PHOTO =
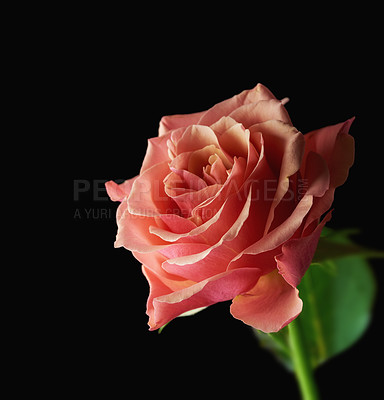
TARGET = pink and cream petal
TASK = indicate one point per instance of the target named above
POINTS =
(214, 261)
(216, 289)
(316, 175)
(173, 236)
(279, 235)
(234, 182)
(188, 200)
(336, 147)
(217, 255)
(160, 284)
(176, 224)
(196, 137)
(323, 141)
(188, 180)
(117, 192)
(297, 255)
(232, 137)
(270, 305)
(133, 232)
(148, 196)
(222, 125)
(172, 122)
(224, 108)
(157, 152)
(265, 110)
(217, 170)
(284, 149)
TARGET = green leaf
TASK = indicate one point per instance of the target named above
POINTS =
(338, 293)
(338, 297)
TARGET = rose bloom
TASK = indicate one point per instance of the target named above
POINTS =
(229, 205)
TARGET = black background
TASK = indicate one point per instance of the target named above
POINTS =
(113, 89)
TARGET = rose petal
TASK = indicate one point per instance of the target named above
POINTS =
(336, 147)
(119, 192)
(187, 200)
(217, 170)
(265, 261)
(297, 255)
(284, 144)
(157, 152)
(148, 196)
(260, 92)
(174, 236)
(279, 235)
(196, 261)
(133, 231)
(265, 110)
(284, 148)
(175, 136)
(222, 125)
(270, 305)
(326, 141)
(196, 137)
(316, 175)
(159, 283)
(214, 260)
(180, 162)
(176, 224)
(171, 122)
(233, 184)
(231, 136)
(199, 159)
(253, 159)
(218, 288)
(188, 179)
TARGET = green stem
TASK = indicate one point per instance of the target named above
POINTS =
(301, 362)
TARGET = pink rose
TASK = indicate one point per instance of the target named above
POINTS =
(228, 206)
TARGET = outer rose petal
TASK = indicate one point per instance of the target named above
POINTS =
(133, 231)
(147, 196)
(118, 192)
(282, 233)
(258, 93)
(171, 122)
(284, 149)
(324, 141)
(159, 282)
(336, 147)
(157, 152)
(213, 290)
(264, 110)
(316, 176)
(297, 255)
(270, 305)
